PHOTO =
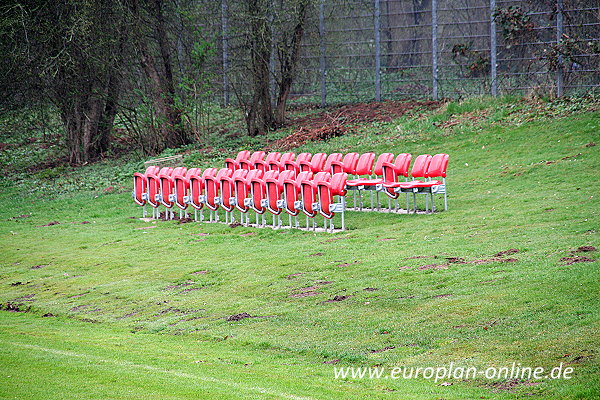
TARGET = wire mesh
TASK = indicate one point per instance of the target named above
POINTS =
(361, 50)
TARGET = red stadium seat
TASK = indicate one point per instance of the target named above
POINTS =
(211, 187)
(181, 189)
(371, 183)
(280, 164)
(391, 175)
(234, 164)
(347, 164)
(265, 165)
(291, 193)
(327, 190)
(333, 157)
(140, 186)
(197, 197)
(294, 165)
(315, 164)
(436, 166)
(274, 190)
(154, 190)
(227, 192)
(242, 192)
(251, 162)
(308, 190)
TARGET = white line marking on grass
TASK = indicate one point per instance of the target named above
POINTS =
(68, 353)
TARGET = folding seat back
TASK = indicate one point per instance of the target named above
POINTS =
(154, 185)
(227, 188)
(251, 162)
(140, 184)
(285, 157)
(265, 165)
(197, 183)
(211, 186)
(242, 188)
(438, 166)
(315, 164)
(167, 184)
(291, 190)
(294, 165)
(420, 166)
(383, 158)
(274, 189)
(391, 172)
(308, 190)
(347, 165)
(364, 165)
(279, 165)
(234, 164)
(253, 187)
(182, 187)
(327, 190)
(333, 157)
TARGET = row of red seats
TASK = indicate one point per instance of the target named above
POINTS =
(242, 190)
(253, 182)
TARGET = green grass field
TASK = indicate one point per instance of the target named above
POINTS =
(103, 305)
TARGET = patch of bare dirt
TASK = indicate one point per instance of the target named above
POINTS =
(12, 307)
(21, 216)
(39, 266)
(418, 257)
(50, 224)
(584, 249)
(239, 317)
(293, 276)
(347, 264)
(370, 289)
(200, 272)
(316, 255)
(27, 297)
(305, 294)
(79, 308)
(576, 259)
(510, 385)
(440, 296)
(506, 252)
(332, 361)
(191, 289)
(337, 298)
(382, 350)
(456, 260)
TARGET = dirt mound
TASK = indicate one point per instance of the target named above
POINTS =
(338, 122)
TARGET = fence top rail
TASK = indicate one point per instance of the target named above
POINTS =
(171, 161)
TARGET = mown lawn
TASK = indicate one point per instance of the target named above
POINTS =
(139, 309)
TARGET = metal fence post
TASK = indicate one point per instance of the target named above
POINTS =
(559, 34)
(272, 60)
(377, 50)
(322, 64)
(225, 33)
(434, 49)
(493, 50)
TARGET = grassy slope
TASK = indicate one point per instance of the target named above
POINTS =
(515, 182)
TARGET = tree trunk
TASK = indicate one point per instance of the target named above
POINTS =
(289, 55)
(259, 116)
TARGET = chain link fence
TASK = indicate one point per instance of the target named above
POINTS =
(364, 50)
